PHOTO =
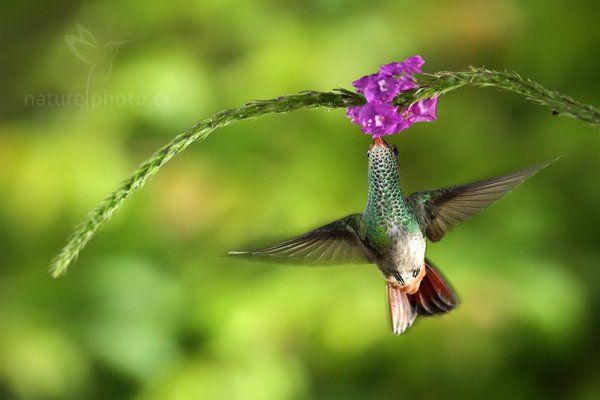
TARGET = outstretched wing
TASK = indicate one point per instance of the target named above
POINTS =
(336, 243)
(440, 210)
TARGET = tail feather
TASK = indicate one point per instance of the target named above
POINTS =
(402, 311)
(435, 296)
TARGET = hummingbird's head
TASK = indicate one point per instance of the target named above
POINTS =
(383, 156)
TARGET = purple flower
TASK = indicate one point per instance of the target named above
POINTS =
(379, 117)
(412, 65)
(422, 110)
(406, 82)
(378, 87)
(352, 113)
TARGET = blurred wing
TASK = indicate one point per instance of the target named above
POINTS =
(336, 243)
(440, 210)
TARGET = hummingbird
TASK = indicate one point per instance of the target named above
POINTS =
(392, 233)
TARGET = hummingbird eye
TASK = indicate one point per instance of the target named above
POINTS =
(395, 150)
(368, 153)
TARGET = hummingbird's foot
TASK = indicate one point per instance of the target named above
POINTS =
(399, 283)
(398, 277)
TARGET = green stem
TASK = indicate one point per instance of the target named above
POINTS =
(443, 82)
(431, 85)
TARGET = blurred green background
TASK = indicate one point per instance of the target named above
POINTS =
(152, 310)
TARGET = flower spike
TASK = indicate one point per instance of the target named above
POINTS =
(379, 116)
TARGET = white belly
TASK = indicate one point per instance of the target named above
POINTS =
(406, 255)
(409, 252)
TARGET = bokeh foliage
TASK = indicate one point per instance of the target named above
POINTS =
(152, 310)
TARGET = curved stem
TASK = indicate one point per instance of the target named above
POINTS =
(430, 85)
(561, 104)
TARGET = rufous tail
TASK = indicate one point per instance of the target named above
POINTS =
(435, 296)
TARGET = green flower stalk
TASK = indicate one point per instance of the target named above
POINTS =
(428, 86)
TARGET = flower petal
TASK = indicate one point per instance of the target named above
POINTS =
(378, 118)
(412, 65)
(423, 110)
(381, 88)
(377, 87)
(361, 84)
(406, 82)
(352, 113)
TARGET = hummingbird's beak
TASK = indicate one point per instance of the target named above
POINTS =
(378, 141)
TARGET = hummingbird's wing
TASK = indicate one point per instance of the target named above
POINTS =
(336, 243)
(440, 210)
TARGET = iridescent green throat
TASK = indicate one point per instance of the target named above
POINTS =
(386, 209)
